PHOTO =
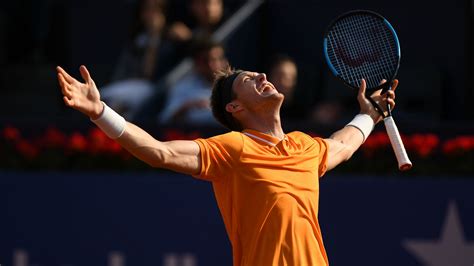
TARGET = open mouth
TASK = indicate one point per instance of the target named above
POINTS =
(266, 87)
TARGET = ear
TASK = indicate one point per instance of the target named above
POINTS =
(233, 107)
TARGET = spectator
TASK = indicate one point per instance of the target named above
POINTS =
(206, 18)
(188, 100)
(283, 73)
(147, 57)
(327, 112)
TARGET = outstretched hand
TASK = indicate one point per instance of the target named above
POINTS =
(366, 106)
(83, 97)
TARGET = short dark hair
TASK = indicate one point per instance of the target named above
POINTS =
(222, 94)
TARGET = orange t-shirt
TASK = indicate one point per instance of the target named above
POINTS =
(267, 191)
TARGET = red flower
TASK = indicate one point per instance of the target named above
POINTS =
(27, 149)
(458, 145)
(466, 143)
(77, 142)
(54, 138)
(114, 147)
(173, 134)
(101, 143)
(98, 141)
(11, 133)
(422, 144)
(376, 141)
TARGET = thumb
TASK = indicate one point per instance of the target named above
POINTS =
(85, 74)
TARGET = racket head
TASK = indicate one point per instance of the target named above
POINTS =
(362, 44)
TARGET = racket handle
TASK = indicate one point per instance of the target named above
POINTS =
(397, 144)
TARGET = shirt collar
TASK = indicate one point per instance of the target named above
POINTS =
(257, 135)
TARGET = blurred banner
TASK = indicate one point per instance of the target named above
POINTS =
(163, 218)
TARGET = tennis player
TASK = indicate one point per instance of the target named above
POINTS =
(266, 182)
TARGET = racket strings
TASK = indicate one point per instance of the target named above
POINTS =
(367, 48)
(362, 46)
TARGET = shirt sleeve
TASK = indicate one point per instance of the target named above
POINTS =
(322, 155)
(219, 155)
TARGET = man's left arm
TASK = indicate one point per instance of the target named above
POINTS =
(344, 142)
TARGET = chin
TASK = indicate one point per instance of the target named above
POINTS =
(279, 95)
(277, 99)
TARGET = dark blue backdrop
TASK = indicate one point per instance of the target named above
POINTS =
(80, 218)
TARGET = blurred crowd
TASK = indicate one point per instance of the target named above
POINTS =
(157, 44)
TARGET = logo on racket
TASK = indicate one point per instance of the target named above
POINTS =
(365, 54)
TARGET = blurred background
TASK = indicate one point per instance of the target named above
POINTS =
(71, 196)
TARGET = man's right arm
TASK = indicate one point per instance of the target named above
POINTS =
(179, 156)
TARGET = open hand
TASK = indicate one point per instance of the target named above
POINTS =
(83, 97)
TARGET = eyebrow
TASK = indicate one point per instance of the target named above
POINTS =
(249, 74)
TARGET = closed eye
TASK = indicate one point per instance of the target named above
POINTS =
(248, 77)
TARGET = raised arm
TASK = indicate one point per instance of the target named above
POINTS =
(344, 142)
(180, 156)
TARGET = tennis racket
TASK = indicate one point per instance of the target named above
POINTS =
(362, 44)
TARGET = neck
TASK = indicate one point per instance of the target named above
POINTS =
(268, 124)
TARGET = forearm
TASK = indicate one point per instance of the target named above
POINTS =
(180, 156)
(134, 139)
(344, 142)
(350, 139)
(143, 146)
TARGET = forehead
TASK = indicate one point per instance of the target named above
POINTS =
(216, 50)
(287, 66)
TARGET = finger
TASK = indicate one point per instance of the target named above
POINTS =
(85, 74)
(65, 74)
(391, 102)
(63, 83)
(394, 84)
(65, 87)
(66, 92)
(362, 88)
(378, 92)
(61, 80)
(68, 102)
(391, 95)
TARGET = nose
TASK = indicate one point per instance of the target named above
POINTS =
(261, 77)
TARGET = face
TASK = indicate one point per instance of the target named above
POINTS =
(284, 77)
(207, 12)
(211, 62)
(152, 16)
(255, 93)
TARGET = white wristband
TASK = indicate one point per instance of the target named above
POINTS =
(111, 123)
(364, 123)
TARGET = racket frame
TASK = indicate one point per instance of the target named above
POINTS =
(386, 85)
(404, 162)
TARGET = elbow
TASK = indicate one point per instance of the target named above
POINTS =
(159, 159)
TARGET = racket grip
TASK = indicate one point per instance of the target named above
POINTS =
(397, 144)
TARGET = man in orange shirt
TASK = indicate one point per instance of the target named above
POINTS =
(266, 182)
